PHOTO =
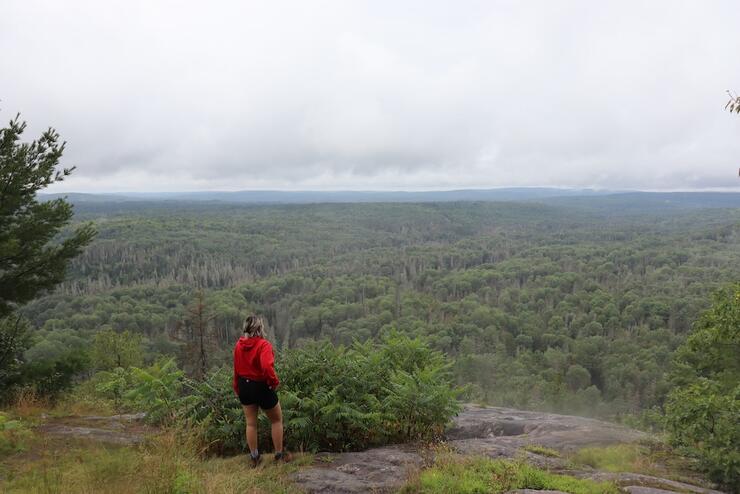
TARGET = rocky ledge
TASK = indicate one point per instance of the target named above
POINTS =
(125, 429)
(489, 431)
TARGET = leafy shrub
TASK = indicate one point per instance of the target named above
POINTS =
(702, 411)
(419, 403)
(112, 385)
(337, 398)
(14, 435)
(14, 340)
(213, 413)
(348, 398)
(333, 398)
(703, 420)
(52, 377)
(158, 390)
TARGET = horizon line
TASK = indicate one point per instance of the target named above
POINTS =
(405, 191)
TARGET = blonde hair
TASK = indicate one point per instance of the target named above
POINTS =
(253, 326)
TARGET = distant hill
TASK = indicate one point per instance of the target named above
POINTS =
(76, 197)
(284, 197)
(589, 199)
(298, 197)
(636, 202)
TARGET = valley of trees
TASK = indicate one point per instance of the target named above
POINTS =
(562, 308)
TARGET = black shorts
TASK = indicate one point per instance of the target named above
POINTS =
(257, 393)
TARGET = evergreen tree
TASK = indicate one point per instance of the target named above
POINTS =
(14, 340)
(702, 411)
(32, 257)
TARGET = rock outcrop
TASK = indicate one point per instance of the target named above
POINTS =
(518, 428)
(125, 429)
(635, 483)
(484, 431)
(374, 470)
(490, 431)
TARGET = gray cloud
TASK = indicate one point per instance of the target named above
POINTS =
(174, 95)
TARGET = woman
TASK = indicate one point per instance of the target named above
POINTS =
(255, 383)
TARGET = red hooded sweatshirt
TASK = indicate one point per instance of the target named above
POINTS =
(254, 360)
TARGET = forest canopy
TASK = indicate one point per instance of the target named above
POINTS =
(569, 307)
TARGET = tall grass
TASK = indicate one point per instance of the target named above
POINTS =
(617, 458)
(465, 475)
(170, 463)
(650, 458)
(15, 435)
(78, 469)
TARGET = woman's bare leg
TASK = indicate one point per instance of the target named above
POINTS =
(275, 414)
(250, 412)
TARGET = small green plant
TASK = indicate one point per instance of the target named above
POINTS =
(84, 400)
(113, 385)
(538, 449)
(15, 437)
(617, 458)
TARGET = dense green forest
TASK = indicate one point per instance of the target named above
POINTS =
(571, 306)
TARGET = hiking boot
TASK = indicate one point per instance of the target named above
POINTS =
(255, 460)
(283, 456)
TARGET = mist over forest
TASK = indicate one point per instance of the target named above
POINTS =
(571, 305)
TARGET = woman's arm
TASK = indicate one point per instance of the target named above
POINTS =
(235, 380)
(267, 362)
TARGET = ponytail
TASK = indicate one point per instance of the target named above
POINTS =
(253, 326)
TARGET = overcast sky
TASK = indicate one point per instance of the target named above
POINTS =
(220, 95)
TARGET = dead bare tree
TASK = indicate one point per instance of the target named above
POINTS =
(734, 103)
(197, 335)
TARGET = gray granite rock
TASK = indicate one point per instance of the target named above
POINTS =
(534, 491)
(633, 489)
(516, 428)
(490, 431)
(500, 448)
(113, 435)
(375, 470)
(115, 429)
(636, 480)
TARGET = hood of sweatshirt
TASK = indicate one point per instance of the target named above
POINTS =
(248, 342)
